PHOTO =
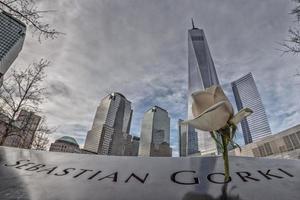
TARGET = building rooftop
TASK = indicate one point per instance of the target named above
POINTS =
(115, 94)
(119, 94)
(68, 139)
(245, 77)
(156, 107)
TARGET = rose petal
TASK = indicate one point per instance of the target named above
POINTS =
(205, 99)
(212, 89)
(241, 115)
(212, 119)
(202, 101)
(219, 95)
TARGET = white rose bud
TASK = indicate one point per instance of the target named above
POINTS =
(211, 109)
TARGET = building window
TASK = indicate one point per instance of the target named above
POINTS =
(298, 134)
(197, 38)
(282, 149)
(294, 140)
(268, 148)
(256, 152)
(262, 151)
(288, 143)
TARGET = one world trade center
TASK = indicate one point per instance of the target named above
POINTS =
(201, 74)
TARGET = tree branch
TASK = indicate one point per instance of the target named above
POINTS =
(26, 12)
(23, 91)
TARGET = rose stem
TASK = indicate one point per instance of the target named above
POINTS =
(225, 156)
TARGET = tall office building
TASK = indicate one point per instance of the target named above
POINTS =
(188, 143)
(110, 131)
(12, 35)
(201, 75)
(256, 126)
(155, 133)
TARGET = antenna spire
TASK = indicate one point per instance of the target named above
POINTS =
(193, 24)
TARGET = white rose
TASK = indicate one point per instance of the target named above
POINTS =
(211, 109)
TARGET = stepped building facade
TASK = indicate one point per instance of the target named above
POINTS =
(109, 134)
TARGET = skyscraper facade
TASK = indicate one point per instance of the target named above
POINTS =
(256, 126)
(155, 133)
(12, 35)
(188, 142)
(201, 75)
(110, 131)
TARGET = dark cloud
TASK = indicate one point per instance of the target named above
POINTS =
(58, 88)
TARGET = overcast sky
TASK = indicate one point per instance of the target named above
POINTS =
(139, 48)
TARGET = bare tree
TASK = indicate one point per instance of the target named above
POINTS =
(292, 44)
(29, 13)
(22, 90)
(41, 137)
(40, 141)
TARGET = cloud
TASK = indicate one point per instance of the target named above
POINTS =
(58, 88)
(139, 48)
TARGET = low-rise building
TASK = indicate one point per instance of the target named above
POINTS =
(285, 144)
(65, 144)
(135, 143)
(21, 131)
(161, 150)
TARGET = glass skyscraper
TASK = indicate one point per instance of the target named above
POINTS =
(12, 35)
(110, 131)
(188, 141)
(155, 133)
(256, 126)
(201, 75)
(239, 138)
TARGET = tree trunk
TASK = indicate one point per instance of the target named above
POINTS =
(4, 136)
